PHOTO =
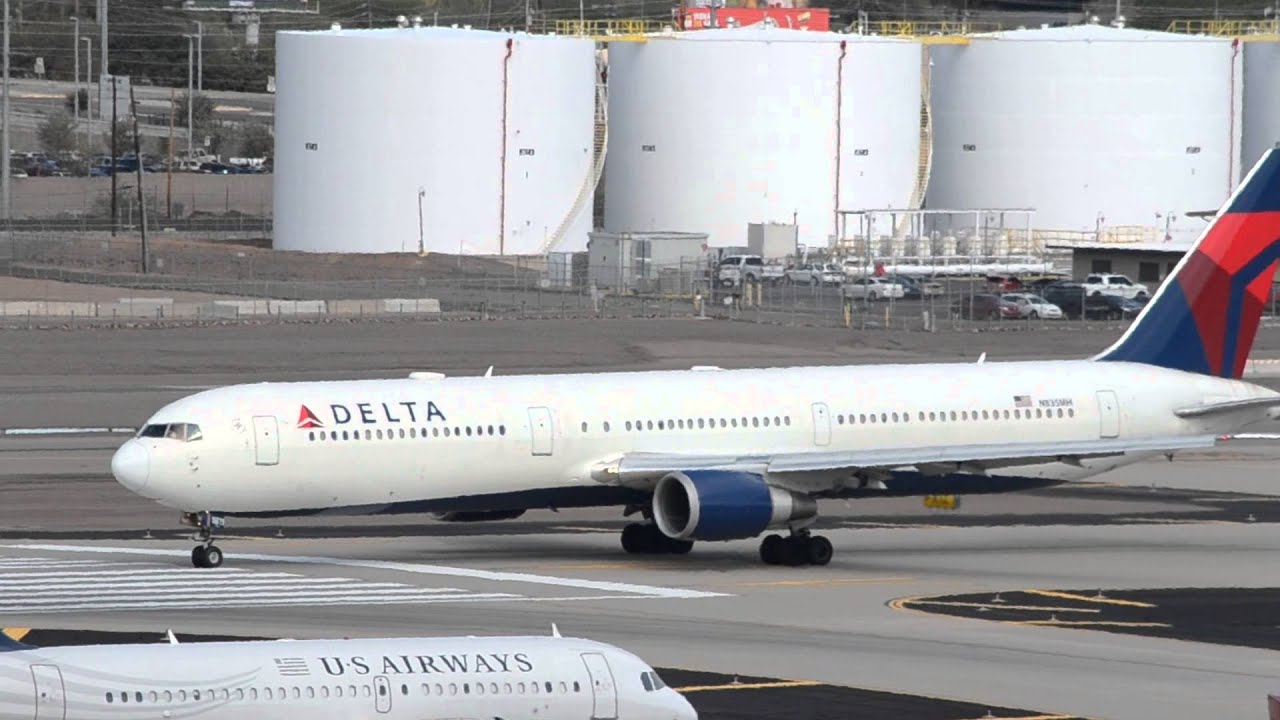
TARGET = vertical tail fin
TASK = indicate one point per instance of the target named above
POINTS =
(1204, 317)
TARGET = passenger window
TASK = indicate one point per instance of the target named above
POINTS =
(628, 426)
(895, 417)
(700, 423)
(786, 420)
(324, 691)
(109, 698)
(584, 427)
(606, 426)
(1071, 412)
(564, 689)
(576, 687)
(547, 686)
(413, 433)
(195, 694)
(168, 696)
(297, 693)
(446, 432)
(755, 422)
(506, 688)
(493, 688)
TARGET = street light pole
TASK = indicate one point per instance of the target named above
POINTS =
(88, 96)
(190, 94)
(102, 23)
(5, 179)
(75, 75)
(199, 56)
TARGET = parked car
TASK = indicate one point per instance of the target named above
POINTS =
(1003, 283)
(1109, 284)
(815, 274)
(984, 307)
(734, 269)
(1111, 307)
(1033, 306)
(916, 288)
(872, 289)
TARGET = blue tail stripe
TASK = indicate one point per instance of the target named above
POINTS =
(1262, 191)
(1167, 331)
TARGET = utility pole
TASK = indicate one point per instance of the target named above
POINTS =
(114, 199)
(75, 76)
(191, 130)
(88, 96)
(102, 26)
(173, 110)
(368, 6)
(5, 177)
(199, 56)
(137, 152)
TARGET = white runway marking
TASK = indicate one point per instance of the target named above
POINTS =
(288, 588)
(42, 585)
(67, 431)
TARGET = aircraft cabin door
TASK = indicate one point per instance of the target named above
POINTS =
(382, 693)
(821, 424)
(266, 440)
(1108, 414)
(604, 693)
(540, 427)
(51, 700)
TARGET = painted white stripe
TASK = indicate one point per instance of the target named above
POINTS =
(600, 585)
(67, 430)
(11, 564)
(151, 591)
(212, 582)
(1255, 436)
(171, 572)
(353, 593)
(386, 599)
(422, 601)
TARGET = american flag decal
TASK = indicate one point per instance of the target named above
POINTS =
(292, 666)
(1022, 401)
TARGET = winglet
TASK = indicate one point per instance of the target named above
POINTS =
(982, 358)
(173, 639)
(555, 631)
(489, 372)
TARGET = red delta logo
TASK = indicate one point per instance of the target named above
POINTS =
(308, 419)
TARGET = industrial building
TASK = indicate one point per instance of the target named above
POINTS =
(1092, 126)
(710, 131)
(434, 140)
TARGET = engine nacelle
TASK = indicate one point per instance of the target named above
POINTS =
(476, 515)
(725, 505)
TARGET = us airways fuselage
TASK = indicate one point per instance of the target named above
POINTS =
(546, 677)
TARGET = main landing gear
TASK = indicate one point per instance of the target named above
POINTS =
(647, 539)
(206, 554)
(800, 548)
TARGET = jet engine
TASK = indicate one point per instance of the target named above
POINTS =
(725, 505)
(476, 515)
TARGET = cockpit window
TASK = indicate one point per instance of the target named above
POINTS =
(651, 681)
(185, 432)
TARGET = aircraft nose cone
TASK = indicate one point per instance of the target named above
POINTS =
(131, 465)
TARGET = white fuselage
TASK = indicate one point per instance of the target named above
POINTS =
(416, 679)
(439, 443)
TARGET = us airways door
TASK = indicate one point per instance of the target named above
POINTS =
(821, 424)
(604, 692)
(540, 428)
(382, 690)
(1109, 414)
(266, 440)
(51, 700)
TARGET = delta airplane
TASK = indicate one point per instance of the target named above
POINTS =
(553, 678)
(711, 454)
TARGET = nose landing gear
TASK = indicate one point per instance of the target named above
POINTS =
(206, 554)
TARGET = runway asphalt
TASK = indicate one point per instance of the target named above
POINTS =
(72, 553)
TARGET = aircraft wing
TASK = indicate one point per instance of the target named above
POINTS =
(634, 467)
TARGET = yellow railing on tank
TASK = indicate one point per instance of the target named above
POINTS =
(917, 28)
(609, 27)
(1226, 28)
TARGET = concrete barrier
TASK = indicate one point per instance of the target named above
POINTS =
(353, 307)
(242, 308)
(48, 308)
(411, 305)
(296, 307)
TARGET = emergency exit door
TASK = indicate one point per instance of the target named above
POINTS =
(51, 701)
(1108, 414)
(382, 693)
(540, 429)
(821, 424)
(266, 440)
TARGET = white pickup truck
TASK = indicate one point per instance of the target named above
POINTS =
(1119, 285)
(734, 269)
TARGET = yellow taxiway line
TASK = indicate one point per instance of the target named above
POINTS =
(749, 686)
(1087, 598)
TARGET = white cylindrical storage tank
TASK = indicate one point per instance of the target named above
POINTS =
(1089, 125)
(489, 135)
(712, 130)
(1261, 100)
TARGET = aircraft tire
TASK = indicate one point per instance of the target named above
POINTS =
(633, 540)
(197, 557)
(212, 556)
(771, 550)
(819, 550)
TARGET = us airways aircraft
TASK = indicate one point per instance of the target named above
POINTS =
(553, 678)
(710, 454)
